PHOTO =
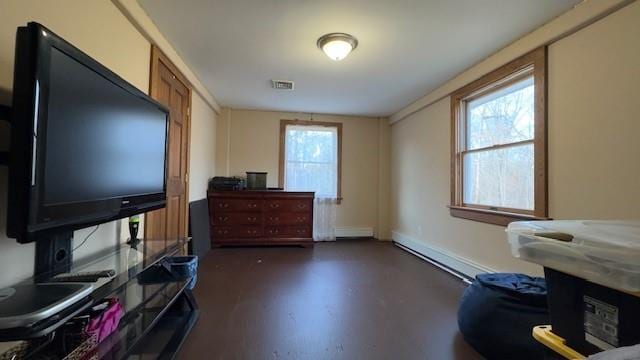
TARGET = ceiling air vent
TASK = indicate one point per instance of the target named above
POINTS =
(282, 84)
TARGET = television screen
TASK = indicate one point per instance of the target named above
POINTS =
(101, 141)
(87, 147)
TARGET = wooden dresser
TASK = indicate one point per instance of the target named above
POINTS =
(250, 217)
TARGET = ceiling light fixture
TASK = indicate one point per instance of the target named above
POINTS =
(337, 45)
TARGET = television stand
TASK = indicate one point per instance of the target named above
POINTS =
(53, 256)
(160, 309)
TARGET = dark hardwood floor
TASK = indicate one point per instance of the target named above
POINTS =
(358, 299)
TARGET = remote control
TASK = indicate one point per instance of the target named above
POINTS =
(87, 276)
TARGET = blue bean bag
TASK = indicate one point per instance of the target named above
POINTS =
(498, 312)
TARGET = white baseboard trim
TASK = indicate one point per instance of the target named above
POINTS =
(354, 232)
(463, 266)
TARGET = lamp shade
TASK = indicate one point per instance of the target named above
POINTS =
(337, 45)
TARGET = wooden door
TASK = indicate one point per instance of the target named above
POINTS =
(169, 86)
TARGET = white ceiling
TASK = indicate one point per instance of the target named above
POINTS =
(406, 47)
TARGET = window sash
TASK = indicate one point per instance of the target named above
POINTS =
(310, 162)
(496, 207)
(530, 65)
(285, 162)
(490, 93)
(499, 146)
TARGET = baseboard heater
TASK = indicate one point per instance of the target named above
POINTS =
(435, 263)
(354, 237)
(353, 232)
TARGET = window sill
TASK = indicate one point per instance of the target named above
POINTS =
(489, 216)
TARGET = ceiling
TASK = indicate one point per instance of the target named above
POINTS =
(406, 49)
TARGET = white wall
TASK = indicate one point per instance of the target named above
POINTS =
(593, 87)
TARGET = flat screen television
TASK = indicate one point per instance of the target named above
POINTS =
(87, 147)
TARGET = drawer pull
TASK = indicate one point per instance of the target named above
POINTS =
(302, 219)
(252, 218)
(274, 218)
(223, 232)
(274, 232)
(252, 206)
(299, 231)
(302, 206)
(252, 232)
(274, 206)
(223, 218)
(225, 205)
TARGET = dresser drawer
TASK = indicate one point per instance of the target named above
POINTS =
(221, 232)
(248, 232)
(228, 232)
(294, 205)
(288, 231)
(217, 205)
(290, 218)
(235, 218)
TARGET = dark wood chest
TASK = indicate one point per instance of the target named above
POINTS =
(261, 218)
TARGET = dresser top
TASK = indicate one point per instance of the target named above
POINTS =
(250, 193)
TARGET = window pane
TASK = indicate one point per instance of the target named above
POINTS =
(311, 160)
(316, 145)
(320, 178)
(502, 117)
(501, 177)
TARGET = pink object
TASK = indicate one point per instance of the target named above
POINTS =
(105, 324)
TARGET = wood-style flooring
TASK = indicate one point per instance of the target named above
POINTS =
(357, 299)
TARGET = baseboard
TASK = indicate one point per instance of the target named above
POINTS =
(354, 232)
(457, 263)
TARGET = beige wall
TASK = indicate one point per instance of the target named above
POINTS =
(593, 147)
(132, 10)
(202, 161)
(594, 126)
(98, 28)
(249, 141)
(223, 134)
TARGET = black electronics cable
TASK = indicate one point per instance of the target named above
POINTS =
(86, 238)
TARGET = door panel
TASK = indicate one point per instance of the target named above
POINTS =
(173, 217)
(175, 133)
(170, 88)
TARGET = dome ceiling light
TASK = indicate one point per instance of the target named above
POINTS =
(337, 45)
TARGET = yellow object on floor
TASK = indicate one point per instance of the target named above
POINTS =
(546, 337)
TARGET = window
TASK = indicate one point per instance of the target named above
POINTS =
(499, 144)
(310, 153)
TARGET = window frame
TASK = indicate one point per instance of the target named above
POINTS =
(533, 64)
(283, 133)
